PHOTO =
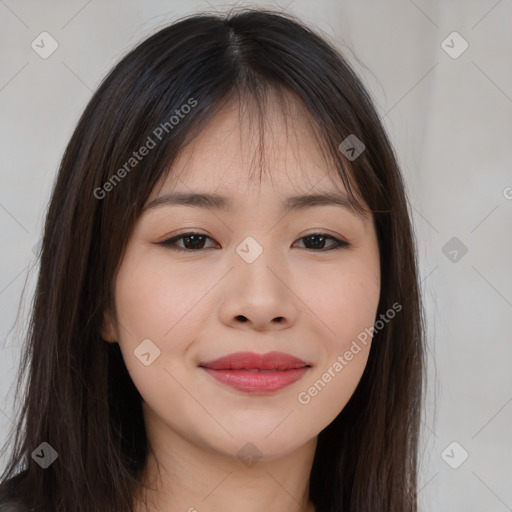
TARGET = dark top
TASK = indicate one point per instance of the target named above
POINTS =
(11, 495)
(11, 507)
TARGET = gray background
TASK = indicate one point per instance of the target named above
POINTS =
(450, 120)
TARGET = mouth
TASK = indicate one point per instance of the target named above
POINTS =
(254, 373)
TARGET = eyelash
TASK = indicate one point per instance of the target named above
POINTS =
(170, 243)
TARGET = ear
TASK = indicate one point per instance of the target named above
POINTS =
(107, 331)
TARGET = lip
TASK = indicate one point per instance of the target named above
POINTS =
(254, 361)
(254, 373)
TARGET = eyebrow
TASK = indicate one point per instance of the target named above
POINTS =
(223, 203)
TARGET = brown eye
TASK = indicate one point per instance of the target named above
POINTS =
(191, 242)
(317, 241)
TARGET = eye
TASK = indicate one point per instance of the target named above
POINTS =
(194, 242)
(318, 239)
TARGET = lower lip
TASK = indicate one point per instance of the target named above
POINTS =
(257, 382)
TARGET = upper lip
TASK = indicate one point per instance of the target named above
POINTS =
(254, 361)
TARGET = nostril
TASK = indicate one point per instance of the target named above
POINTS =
(241, 318)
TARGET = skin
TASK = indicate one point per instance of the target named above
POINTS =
(189, 304)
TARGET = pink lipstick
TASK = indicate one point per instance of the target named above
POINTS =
(254, 373)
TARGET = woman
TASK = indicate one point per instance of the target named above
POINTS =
(205, 337)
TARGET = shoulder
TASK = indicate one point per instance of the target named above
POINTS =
(14, 494)
(11, 500)
(10, 506)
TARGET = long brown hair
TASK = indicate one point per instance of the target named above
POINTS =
(79, 397)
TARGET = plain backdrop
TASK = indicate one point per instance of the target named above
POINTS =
(448, 111)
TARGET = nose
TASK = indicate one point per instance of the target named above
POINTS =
(243, 319)
(259, 297)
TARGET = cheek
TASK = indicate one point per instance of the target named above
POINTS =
(325, 395)
(348, 299)
(168, 303)
(347, 310)
(156, 304)
(154, 300)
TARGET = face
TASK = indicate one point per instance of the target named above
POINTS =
(255, 277)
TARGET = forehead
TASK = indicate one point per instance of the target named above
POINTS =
(275, 144)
